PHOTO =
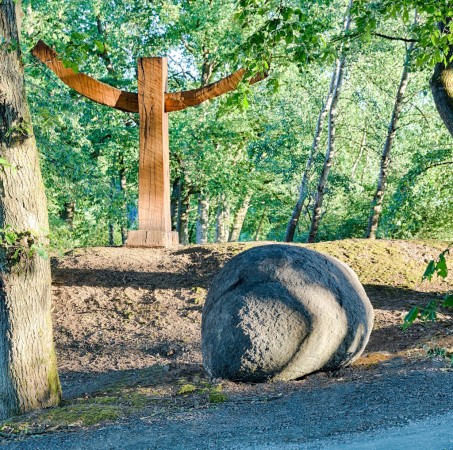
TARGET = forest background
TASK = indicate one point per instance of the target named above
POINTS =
(240, 164)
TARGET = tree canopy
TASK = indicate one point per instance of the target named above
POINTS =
(251, 147)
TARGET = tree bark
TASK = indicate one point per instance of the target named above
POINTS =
(359, 155)
(260, 225)
(28, 369)
(123, 188)
(183, 218)
(239, 218)
(111, 234)
(330, 153)
(203, 220)
(174, 203)
(222, 222)
(376, 204)
(331, 149)
(68, 214)
(303, 190)
(442, 85)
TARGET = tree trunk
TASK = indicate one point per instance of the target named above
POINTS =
(359, 155)
(376, 204)
(183, 218)
(28, 369)
(223, 218)
(174, 203)
(111, 234)
(239, 218)
(303, 190)
(330, 153)
(68, 214)
(123, 188)
(442, 85)
(203, 220)
(260, 225)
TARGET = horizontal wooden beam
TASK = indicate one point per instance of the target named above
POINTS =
(88, 87)
(127, 101)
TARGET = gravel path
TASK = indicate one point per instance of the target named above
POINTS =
(395, 410)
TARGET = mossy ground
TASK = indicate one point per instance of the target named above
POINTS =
(122, 398)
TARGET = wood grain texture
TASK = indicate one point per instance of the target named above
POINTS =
(177, 101)
(154, 167)
(152, 238)
(128, 101)
(88, 87)
(28, 365)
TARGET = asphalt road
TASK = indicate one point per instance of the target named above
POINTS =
(395, 410)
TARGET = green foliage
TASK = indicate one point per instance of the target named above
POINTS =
(428, 313)
(256, 140)
(20, 246)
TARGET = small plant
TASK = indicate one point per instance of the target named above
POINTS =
(20, 246)
(428, 313)
(216, 395)
(439, 353)
(187, 389)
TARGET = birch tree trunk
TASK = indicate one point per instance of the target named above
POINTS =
(223, 218)
(260, 225)
(183, 218)
(203, 220)
(123, 188)
(330, 153)
(174, 203)
(239, 218)
(376, 204)
(28, 369)
(359, 155)
(303, 190)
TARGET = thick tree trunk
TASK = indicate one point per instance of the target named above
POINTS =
(330, 153)
(222, 222)
(376, 204)
(203, 220)
(239, 218)
(303, 190)
(28, 369)
(442, 85)
(183, 218)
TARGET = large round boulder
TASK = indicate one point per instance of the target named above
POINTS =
(282, 312)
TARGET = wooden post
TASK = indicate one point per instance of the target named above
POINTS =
(153, 104)
(154, 167)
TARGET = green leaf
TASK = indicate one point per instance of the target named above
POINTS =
(70, 65)
(5, 163)
(410, 317)
(430, 271)
(245, 102)
(448, 301)
(441, 267)
(100, 46)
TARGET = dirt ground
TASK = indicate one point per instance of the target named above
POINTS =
(127, 330)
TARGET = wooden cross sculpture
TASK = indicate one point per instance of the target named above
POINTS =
(153, 104)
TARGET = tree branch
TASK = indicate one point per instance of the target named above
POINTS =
(394, 38)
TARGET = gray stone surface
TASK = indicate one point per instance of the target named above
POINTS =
(282, 312)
